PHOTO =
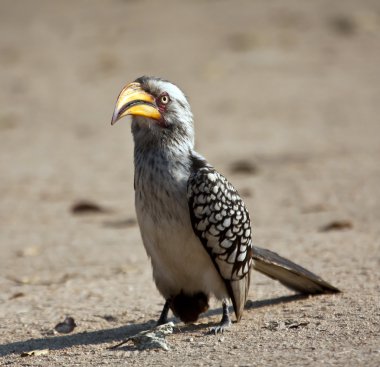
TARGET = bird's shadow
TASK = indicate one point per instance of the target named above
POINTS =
(250, 305)
(117, 334)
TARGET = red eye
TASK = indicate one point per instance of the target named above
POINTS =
(164, 99)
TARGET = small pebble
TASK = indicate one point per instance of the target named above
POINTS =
(65, 327)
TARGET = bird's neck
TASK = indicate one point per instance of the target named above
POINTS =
(160, 165)
(161, 176)
(162, 161)
(164, 150)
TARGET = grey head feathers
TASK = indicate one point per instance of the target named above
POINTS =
(178, 119)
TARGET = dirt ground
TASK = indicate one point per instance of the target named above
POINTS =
(286, 98)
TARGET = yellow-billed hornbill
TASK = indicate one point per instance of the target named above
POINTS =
(194, 225)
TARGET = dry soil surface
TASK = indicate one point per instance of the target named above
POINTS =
(286, 98)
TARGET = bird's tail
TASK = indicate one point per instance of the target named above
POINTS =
(289, 274)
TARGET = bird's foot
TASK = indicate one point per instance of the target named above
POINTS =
(220, 328)
(225, 322)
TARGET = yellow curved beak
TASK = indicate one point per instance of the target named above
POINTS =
(133, 100)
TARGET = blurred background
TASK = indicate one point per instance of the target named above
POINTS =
(286, 99)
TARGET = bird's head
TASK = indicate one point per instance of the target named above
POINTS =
(159, 109)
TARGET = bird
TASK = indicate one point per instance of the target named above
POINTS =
(194, 225)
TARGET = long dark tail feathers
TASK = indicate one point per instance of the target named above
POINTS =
(289, 274)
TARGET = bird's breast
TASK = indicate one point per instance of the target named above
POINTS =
(179, 260)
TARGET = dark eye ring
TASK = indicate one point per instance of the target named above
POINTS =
(164, 99)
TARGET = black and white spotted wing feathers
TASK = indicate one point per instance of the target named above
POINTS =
(221, 221)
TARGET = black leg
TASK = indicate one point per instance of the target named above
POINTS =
(224, 323)
(164, 314)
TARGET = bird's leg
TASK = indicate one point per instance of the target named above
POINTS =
(225, 322)
(164, 314)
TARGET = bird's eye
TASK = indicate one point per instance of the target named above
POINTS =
(164, 99)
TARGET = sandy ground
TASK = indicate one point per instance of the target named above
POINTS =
(287, 90)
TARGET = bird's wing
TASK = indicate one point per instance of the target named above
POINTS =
(221, 222)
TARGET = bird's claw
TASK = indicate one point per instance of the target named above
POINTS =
(219, 329)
